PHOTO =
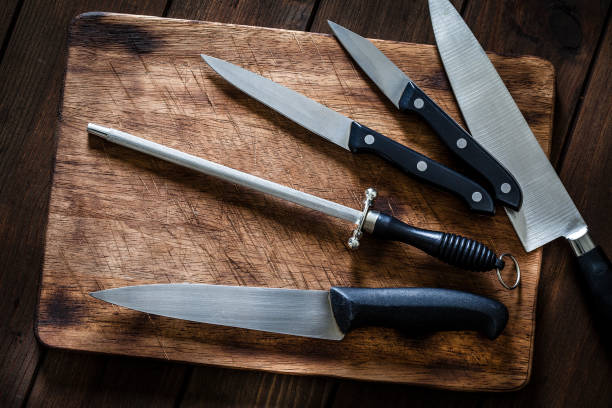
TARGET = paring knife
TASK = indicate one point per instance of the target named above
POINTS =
(450, 248)
(496, 122)
(315, 313)
(408, 97)
(350, 134)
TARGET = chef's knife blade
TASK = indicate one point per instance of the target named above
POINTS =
(496, 122)
(408, 97)
(349, 134)
(315, 313)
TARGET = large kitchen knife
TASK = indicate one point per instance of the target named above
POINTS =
(408, 97)
(497, 124)
(315, 313)
(350, 134)
(450, 248)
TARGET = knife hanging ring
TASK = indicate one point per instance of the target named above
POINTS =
(516, 268)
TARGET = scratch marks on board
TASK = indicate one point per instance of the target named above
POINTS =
(155, 329)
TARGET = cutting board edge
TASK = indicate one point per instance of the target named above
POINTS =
(500, 386)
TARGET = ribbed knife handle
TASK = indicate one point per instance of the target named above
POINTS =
(453, 249)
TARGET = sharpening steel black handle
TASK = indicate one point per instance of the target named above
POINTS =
(417, 310)
(596, 271)
(503, 185)
(453, 249)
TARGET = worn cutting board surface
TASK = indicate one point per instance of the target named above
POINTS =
(120, 218)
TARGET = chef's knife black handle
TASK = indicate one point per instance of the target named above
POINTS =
(417, 310)
(364, 139)
(505, 187)
(453, 249)
(597, 273)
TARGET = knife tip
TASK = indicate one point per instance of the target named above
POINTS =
(97, 294)
(332, 25)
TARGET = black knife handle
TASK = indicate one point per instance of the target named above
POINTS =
(505, 187)
(364, 139)
(453, 249)
(417, 310)
(596, 271)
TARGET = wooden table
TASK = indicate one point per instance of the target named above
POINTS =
(571, 366)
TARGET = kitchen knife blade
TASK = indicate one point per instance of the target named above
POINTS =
(315, 313)
(496, 122)
(408, 97)
(450, 248)
(349, 134)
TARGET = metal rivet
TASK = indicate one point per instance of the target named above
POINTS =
(476, 196)
(421, 166)
(505, 188)
(418, 103)
(461, 143)
(369, 139)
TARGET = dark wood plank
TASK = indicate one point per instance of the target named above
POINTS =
(69, 379)
(292, 15)
(30, 86)
(8, 13)
(387, 19)
(564, 33)
(216, 387)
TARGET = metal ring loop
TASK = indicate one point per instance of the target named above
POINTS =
(516, 267)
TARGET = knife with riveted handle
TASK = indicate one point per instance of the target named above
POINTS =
(350, 134)
(408, 97)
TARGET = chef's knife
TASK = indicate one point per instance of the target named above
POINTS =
(495, 121)
(351, 135)
(315, 313)
(408, 97)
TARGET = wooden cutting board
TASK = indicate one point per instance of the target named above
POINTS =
(122, 218)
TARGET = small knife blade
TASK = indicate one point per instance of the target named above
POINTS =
(315, 313)
(495, 120)
(350, 134)
(408, 97)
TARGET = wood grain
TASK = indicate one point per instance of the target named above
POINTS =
(120, 218)
(71, 379)
(30, 86)
(8, 14)
(221, 387)
(388, 19)
(269, 13)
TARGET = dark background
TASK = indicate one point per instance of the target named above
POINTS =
(570, 364)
